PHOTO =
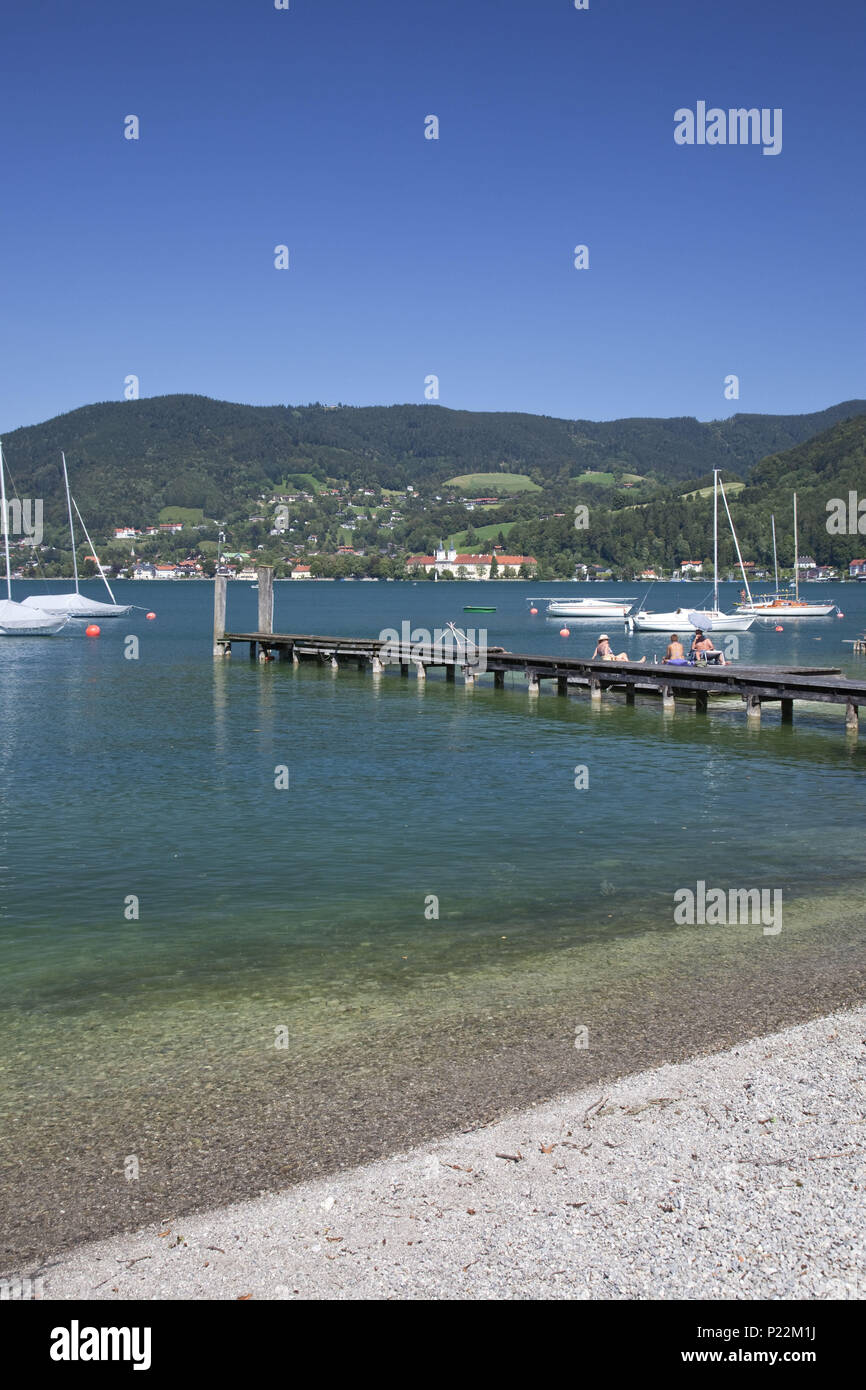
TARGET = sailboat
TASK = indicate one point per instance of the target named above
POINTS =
(77, 605)
(708, 619)
(786, 605)
(15, 619)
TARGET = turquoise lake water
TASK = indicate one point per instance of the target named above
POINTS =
(155, 778)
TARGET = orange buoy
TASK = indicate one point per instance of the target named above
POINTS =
(150, 617)
(840, 615)
(533, 611)
(92, 630)
(564, 632)
(779, 627)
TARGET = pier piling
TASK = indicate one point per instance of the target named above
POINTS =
(220, 647)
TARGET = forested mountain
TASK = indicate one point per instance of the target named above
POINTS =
(129, 459)
(673, 528)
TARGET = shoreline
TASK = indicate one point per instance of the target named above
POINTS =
(220, 1127)
(734, 1175)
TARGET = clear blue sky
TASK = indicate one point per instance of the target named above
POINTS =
(411, 256)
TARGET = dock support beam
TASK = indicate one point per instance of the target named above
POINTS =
(668, 701)
(753, 707)
(595, 692)
(377, 666)
(498, 680)
(468, 678)
(701, 703)
(629, 695)
(449, 674)
(852, 718)
(562, 685)
(787, 711)
(420, 671)
(220, 648)
(533, 687)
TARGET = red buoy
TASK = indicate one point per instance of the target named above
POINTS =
(92, 630)
(779, 627)
(533, 610)
(564, 632)
(150, 617)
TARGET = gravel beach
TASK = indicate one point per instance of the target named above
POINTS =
(740, 1175)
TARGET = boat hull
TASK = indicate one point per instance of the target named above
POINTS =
(690, 620)
(587, 608)
(788, 610)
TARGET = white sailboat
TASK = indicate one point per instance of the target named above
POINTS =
(15, 619)
(586, 607)
(708, 619)
(77, 605)
(786, 605)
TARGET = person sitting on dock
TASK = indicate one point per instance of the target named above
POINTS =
(675, 655)
(603, 651)
(703, 650)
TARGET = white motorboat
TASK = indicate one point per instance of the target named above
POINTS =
(15, 619)
(708, 619)
(586, 607)
(77, 605)
(785, 604)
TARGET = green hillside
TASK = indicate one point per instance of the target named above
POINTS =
(130, 459)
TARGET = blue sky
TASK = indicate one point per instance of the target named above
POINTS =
(411, 257)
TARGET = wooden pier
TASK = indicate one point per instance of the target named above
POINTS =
(755, 686)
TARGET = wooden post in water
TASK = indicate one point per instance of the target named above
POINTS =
(753, 707)
(220, 648)
(562, 685)
(701, 701)
(498, 680)
(852, 718)
(594, 691)
(787, 711)
(668, 701)
(266, 598)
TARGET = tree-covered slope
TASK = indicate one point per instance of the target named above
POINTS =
(129, 459)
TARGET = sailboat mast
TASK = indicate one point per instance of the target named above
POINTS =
(71, 526)
(715, 540)
(796, 554)
(775, 557)
(5, 525)
(93, 552)
(736, 544)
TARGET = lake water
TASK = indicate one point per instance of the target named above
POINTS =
(313, 909)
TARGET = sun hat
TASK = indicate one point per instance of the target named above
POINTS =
(604, 637)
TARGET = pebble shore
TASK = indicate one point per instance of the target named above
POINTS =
(740, 1175)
